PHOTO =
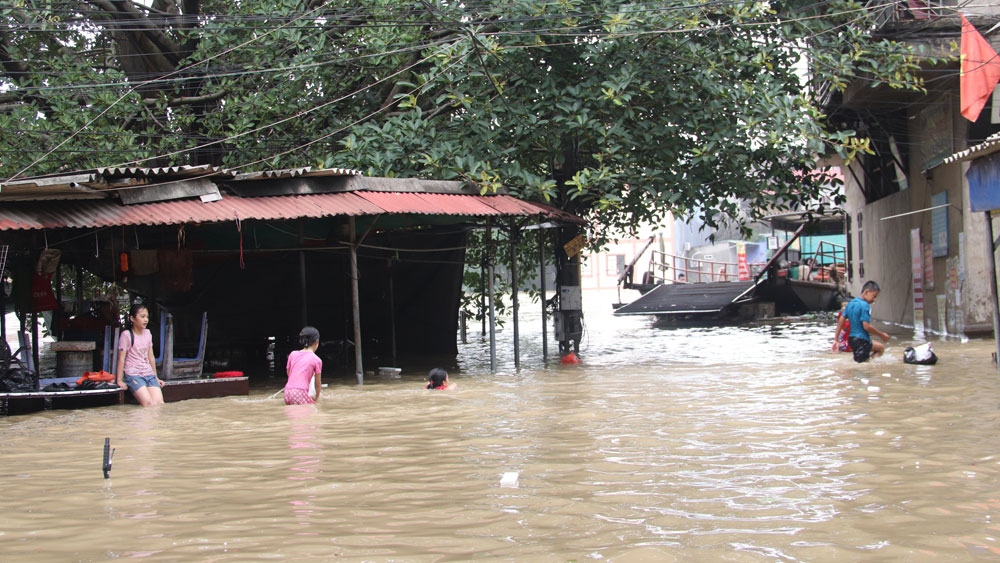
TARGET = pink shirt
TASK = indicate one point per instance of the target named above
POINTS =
(137, 354)
(301, 366)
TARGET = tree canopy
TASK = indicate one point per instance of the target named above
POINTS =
(620, 111)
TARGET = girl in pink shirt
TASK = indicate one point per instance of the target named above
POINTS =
(136, 362)
(304, 365)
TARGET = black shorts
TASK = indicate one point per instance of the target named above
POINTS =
(862, 348)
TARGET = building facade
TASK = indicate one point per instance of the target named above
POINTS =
(909, 224)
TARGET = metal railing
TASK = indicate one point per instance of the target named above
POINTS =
(664, 267)
(827, 263)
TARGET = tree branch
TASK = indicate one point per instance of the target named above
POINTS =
(187, 99)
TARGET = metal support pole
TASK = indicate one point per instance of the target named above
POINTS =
(34, 349)
(993, 286)
(461, 327)
(541, 277)
(482, 293)
(303, 306)
(167, 370)
(3, 308)
(513, 277)
(392, 315)
(359, 369)
(489, 289)
(57, 314)
(79, 290)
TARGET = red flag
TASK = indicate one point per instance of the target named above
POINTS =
(980, 71)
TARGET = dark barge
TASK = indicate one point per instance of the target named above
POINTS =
(727, 294)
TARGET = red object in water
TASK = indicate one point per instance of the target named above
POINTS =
(570, 358)
(228, 374)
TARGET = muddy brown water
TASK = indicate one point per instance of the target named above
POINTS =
(749, 443)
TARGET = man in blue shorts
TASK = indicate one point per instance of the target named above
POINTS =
(859, 313)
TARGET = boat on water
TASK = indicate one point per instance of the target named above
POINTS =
(797, 278)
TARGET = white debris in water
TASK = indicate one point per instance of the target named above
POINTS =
(886, 375)
(873, 389)
(509, 479)
(864, 381)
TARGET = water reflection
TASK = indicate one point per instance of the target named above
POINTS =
(305, 454)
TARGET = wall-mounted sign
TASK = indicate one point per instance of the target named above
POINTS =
(939, 224)
(574, 246)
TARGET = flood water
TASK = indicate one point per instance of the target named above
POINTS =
(750, 443)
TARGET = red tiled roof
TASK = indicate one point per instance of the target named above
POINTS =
(103, 213)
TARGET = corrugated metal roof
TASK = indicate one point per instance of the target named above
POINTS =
(510, 205)
(85, 178)
(989, 146)
(306, 171)
(105, 213)
(100, 182)
(428, 204)
(172, 171)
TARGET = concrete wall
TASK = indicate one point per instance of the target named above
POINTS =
(881, 250)
(975, 287)
(886, 243)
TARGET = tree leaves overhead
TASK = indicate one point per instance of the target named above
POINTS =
(622, 111)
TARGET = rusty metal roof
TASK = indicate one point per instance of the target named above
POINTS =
(105, 213)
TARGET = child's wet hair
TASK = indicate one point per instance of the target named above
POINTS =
(870, 285)
(436, 378)
(307, 336)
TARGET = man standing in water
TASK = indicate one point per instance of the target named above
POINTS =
(858, 313)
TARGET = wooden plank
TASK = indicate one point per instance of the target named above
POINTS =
(24, 403)
(174, 391)
(170, 190)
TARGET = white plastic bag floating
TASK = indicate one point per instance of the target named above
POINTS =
(922, 354)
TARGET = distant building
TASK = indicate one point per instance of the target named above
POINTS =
(600, 270)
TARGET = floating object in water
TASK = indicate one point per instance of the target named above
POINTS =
(108, 454)
(570, 358)
(873, 389)
(886, 375)
(389, 372)
(509, 480)
(922, 355)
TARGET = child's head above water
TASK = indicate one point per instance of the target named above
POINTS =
(437, 378)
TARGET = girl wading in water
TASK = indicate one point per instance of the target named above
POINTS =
(136, 362)
(303, 365)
